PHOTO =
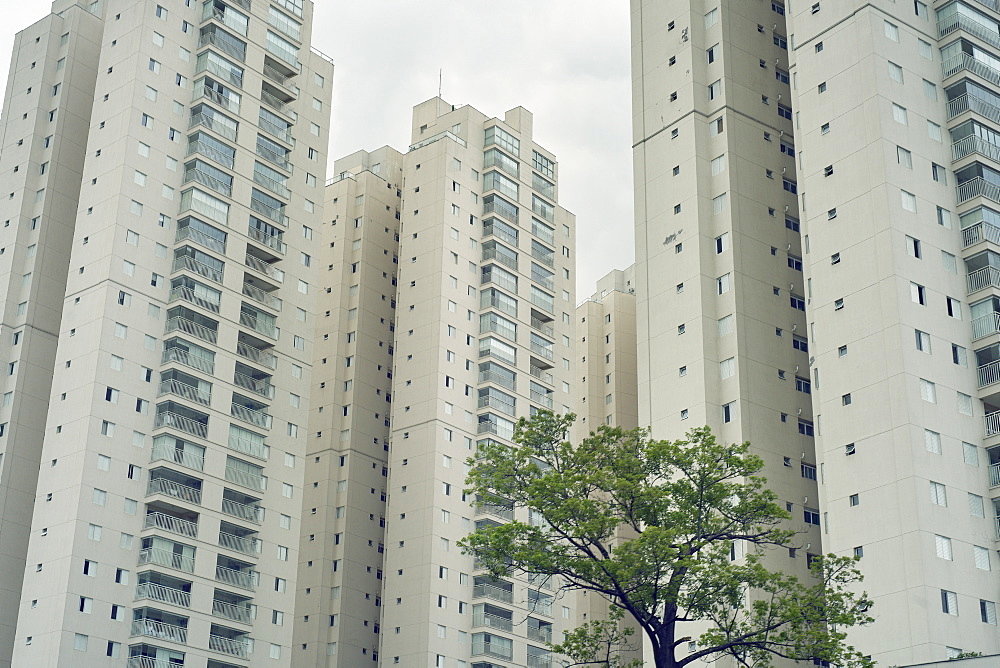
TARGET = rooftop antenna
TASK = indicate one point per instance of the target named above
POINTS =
(440, 79)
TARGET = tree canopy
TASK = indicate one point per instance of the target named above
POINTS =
(684, 505)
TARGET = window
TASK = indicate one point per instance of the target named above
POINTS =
(722, 284)
(712, 17)
(982, 557)
(904, 157)
(939, 173)
(913, 247)
(932, 441)
(918, 294)
(715, 89)
(909, 201)
(939, 494)
(729, 412)
(895, 72)
(923, 341)
(899, 114)
(954, 308)
(928, 391)
(988, 612)
(949, 602)
(891, 31)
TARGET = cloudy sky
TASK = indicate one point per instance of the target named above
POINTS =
(566, 61)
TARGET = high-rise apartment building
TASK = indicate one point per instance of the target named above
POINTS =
(720, 292)
(450, 288)
(157, 144)
(897, 122)
(881, 313)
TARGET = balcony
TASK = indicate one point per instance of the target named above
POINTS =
(166, 558)
(201, 202)
(258, 324)
(185, 357)
(977, 105)
(242, 506)
(212, 149)
(979, 232)
(254, 354)
(504, 257)
(973, 144)
(501, 379)
(233, 646)
(499, 403)
(261, 386)
(541, 374)
(158, 520)
(544, 399)
(495, 590)
(245, 478)
(542, 326)
(273, 242)
(492, 617)
(217, 182)
(190, 456)
(544, 351)
(274, 157)
(978, 187)
(500, 230)
(497, 327)
(181, 324)
(985, 325)
(273, 213)
(185, 424)
(241, 544)
(230, 18)
(501, 207)
(151, 591)
(215, 124)
(264, 268)
(261, 296)
(191, 264)
(162, 625)
(175, 485)
(505, 512)
(992, 423)
(542, 254)
(251, 416)
(275, 102)
(281, 132)
(987, 277)
(244, 579)
(187, 293)
(150, 662)
(539, 660)
(483, 644)
(223, 41)
(277, 76)
(994, 475)
(185, 391)
(276, 186)
(229, 102)
(190, 232)
(237, 612)
(960, 22)
(964, 61)
(290, 58)
(231, 74)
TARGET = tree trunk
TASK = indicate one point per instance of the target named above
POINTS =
(663, 655)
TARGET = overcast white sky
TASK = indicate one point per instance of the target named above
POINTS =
(566, 61)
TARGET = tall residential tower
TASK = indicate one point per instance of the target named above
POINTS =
(159, 159)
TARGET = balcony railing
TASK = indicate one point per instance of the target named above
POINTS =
(225, 101)
(241, 510)
(544, 281)
(248, 447)
(541, 374)
(980, 279)
(262, 267)
(499, 232)
(262, 296)
(493, 592)
(274, 102)
(543, 399)
(284, 133)
(157, 629)
(178, 456)
(989, 374)
(242, 579)
(278, 159)
(498, 378)
(487, 648)
(542, 326)
(259, 325)
(224, 17)
(977, 105)
(185, 424)
(992, 423)
(964, 61)
(973, 144)
(544, 258)
(187, 294)
(279, 77)
(200, 268)
(225, 43)
(539, 661)
(150, 662)
(504, 512)
(502, 258)
(275, 186)
(271, 213)
(214, 125)
(262, 357)
(234, 77)
(229, 646)
(237, 613)
(503, 330)
(153, 555)
(502, 306)
(980, 231)
(206, 179)
(182, 356)
(487, 401)
(157, 592)
(501, 280)
(257, 386)
(256, 418)
(501, 355)
(284, 54)
(541, 634)
(962, 22)
(211, 152)
(168, 487)
(544, 351)
(200, 238)
(239, 477)
(271, 241)
(994, 475)
(985, 325)
(502, 431)
(171, 524)
(240, 544)
(185, 391)
(492, 621)
(179, 324)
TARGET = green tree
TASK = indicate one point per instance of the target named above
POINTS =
(684, 504)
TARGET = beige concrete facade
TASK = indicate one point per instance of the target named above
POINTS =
(718, 274)
(166, 517)
(897, 121)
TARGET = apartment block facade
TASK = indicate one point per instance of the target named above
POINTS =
(719, 285)
(897, 119)
(166, 517)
